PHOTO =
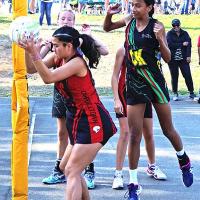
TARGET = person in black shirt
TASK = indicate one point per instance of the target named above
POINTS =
(145, 42)
(179, 43)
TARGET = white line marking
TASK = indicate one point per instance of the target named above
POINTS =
(44, 134)
(30, 141)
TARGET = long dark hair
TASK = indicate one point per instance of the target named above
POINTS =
(88, 47)
(148, 3)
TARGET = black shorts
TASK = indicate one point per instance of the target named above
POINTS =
(88, 129)
(59, 107)
(140, 90)
(122, 96)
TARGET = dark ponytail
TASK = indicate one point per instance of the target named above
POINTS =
(151, 12)
(148, 3)
(90, 50)
(88, 47)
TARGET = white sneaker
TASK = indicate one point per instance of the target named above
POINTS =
(175, 97)
(118, 183)
(156, 173)
(197, 98)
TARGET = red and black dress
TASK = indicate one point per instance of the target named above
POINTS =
(87, 119)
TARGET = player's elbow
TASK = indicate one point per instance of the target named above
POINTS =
(106, 28)
(104, 52)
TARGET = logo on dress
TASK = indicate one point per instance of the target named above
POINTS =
(96, 129)
(146, 35)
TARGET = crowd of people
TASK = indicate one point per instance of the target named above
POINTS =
(84, 125)
(100, 6)
(177, 6)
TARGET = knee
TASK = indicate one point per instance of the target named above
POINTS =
(48, 14)
(69, 170)
(73, 169)
(124, 136)
(135, 137)
(149, 138)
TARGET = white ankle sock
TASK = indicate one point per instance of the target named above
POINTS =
(180, 153)
(133, 176)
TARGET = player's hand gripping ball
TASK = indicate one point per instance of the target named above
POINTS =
(22, 27)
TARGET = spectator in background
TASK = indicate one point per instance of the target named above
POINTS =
(45, 8)
(177, 4)
(157, 6)
(185, 7)
(125, 5)
(32, 7)
(198, 7)
(165, 7)
(10, 6)
(179, 43)
(192, 7)
(81, 5)
(64, 3)
(106, 4)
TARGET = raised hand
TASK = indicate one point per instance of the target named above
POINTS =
(29, 44)
(114, 9)
(159, 31)
(86, 29)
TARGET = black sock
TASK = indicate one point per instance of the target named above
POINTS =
(90, 168)
(183, 160)
(57, 168)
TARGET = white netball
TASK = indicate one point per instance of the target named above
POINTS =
(22, 27)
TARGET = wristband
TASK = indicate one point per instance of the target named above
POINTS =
(36, 57)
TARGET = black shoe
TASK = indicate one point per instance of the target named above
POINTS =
(192, 95)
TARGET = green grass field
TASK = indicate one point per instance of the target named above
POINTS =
(114, 39)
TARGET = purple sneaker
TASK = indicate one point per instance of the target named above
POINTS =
(187, 174)
(134, 191)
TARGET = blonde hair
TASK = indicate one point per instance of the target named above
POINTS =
(66, 10)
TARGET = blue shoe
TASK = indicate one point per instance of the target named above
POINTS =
(55, 178)
(89, 177)
(133, 192)
(187, 175)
